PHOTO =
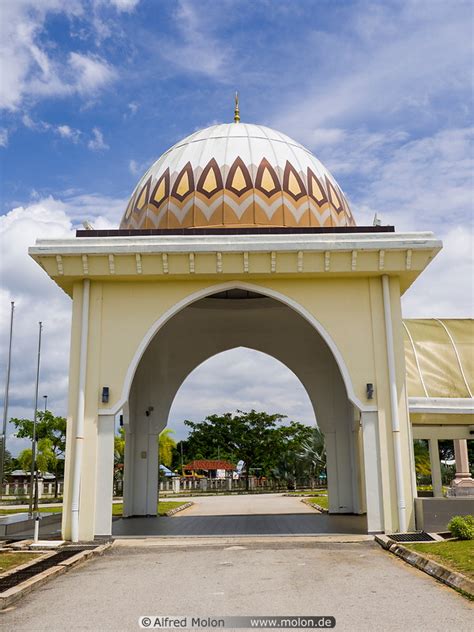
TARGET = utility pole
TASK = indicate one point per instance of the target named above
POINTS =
(34, 476)
(5, 402)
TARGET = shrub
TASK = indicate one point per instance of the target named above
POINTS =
(462, 527)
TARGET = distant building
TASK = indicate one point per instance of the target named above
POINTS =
(209, 468)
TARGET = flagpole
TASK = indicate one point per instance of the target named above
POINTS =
(33, 477)
(5, 402)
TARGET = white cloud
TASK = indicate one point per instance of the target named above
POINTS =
(198, 49)
(393, 61)
(446, 287)
(64, 131)
(240, 379)
(133, 107)
(103, 211)
(37, 298)
(423, 184)
(138, 168)
(3, 137)
(91, 73)
(357, 151)
(68, 133)
(125, 5)
(97, 142)
(30, 65)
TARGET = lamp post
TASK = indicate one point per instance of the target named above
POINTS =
(45, 397)
(5, 402)
(34, 477)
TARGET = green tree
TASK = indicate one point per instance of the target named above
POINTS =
(292, 461)
(9, 463)
(49, 427)
(249, 436)
(422, 458)
(44, 457)
(313, 452)
(119, 453)
(166, 447)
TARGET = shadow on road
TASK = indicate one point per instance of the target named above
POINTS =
(286, 524)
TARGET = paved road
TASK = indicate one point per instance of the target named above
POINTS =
(365, 588)
(245, 504)
(270, 514)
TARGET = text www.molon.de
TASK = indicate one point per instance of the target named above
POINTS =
(290, 622)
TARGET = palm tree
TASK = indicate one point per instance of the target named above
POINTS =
(166, 445)
(314, 451)
(422, 458)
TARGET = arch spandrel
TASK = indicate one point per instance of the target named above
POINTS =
(174, 353)
(340, 312)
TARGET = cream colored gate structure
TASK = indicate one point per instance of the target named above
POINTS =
(295, 278)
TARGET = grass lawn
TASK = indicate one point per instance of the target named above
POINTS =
(10, 560)
(163, 507)
(429, 488)
(322, 501)
(457, 554)
(5, 512)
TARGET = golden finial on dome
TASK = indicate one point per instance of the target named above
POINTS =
(236, 110)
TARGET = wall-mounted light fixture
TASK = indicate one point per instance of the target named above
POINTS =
(105, 394)
(370, 391)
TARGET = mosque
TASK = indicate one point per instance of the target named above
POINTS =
(239, 236)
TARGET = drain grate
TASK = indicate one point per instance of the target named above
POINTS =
(419, 536)
(16, 578)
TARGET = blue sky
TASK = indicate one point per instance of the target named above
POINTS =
(93, 91)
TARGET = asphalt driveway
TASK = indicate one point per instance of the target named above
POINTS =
(364, 587)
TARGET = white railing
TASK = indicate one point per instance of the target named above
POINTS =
(17, 489)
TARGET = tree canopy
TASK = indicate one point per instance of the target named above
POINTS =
(266, 445)
(166, 445)
(51, 438)
(48, 426)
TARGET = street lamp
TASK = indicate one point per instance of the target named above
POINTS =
(45, 397)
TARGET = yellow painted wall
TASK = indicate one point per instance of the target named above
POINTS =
(121, 314)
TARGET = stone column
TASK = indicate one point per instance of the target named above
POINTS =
(463, 484)
(435, 468)
(104, 475)
(373, 482)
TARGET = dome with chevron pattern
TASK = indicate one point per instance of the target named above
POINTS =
(237, 175)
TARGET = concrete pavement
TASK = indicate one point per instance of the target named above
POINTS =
(364, 587)
(253, 514)
(245, 504)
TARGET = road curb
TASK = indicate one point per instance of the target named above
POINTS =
(315, 505)
(12, 595)
(451, 578)
(171, 512)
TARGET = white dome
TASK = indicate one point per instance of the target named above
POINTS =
(237, 175)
